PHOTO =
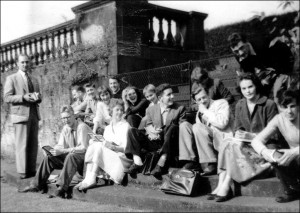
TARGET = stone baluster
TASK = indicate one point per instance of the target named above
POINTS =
(42, 53)
(36, 53)
(47, 50)
(58, 45)
(161, 34)
(24, 48)
(72, 37)
(151, 31)
(12, 56)
(1, 59)
(11, 61)
(177, 36)
(65, 44)
(16, 54)
(6, 63)
(53, 52)
(170, 39)
(30, 54)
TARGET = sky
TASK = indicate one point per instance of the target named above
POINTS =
(20, 18)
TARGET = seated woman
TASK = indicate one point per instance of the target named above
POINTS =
(150, 94)
(252, 113)
(109, 153)
(285, 161)
(135, 106)
(103, 118)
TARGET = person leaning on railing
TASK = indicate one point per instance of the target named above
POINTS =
(285, 161)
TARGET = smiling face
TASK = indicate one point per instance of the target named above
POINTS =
(23, 63)
(202, 98)
(248, 89)
(75, 94)
(90, 91)
(151, 96)
(117, 112)
(167, 97)
(241, 50)
(114, 85)
(132, 96)
(291, 110)
(105, 97)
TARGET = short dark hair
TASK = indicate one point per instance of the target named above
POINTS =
(161, 88)
(235, 38)
(78, 88)
(115, 78)
(285, 97)
(68, 109)
(198, 90)
(103, 89)
(89, 85)
(255, 80)
(23, 55)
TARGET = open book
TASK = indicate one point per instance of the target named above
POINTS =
(96, 137)
(244, 136)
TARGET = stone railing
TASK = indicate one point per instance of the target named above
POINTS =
(49, 44)
(172, 26)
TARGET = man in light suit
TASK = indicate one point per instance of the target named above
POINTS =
(162, 125)
(22, 91)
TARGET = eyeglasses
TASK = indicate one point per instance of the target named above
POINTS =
(66, 118)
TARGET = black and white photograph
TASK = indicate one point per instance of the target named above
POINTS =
(150, 106)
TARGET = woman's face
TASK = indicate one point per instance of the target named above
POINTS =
(151, 96)
(291, 111)
(131, 96)
(105, 97)
(117, 112)
(248, 89)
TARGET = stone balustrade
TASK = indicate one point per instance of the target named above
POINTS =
(49, 44)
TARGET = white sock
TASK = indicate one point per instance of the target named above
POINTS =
(137, 160)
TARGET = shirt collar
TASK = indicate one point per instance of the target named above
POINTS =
(163, 108)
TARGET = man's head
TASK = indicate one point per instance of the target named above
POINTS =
(239, 46)
(78, 92)
(165, 94)
(200, 95)
(23, 62)
(67, 115)
(114, 84)
(90, 90)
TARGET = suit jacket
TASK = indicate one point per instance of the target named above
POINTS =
(14, 90)
(176, 115)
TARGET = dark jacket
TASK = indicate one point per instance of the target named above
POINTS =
(138, 108)
(264, 110)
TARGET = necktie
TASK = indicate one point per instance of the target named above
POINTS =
(73, 136)
(30, 85)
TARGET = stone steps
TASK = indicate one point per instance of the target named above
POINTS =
(143, 193)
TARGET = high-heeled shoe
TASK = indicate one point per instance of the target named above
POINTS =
(211, 196)
(224, 198)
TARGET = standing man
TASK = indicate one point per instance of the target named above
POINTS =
(67, 155)
(23, 92)
(114, 85)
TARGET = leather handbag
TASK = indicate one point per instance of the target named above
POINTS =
(181, 182)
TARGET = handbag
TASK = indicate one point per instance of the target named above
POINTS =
(181, 182)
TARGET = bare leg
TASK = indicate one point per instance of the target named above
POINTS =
(222, 176)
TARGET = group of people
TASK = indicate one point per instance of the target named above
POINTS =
(110, 131)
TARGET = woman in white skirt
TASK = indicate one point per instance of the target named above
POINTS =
(109, 153)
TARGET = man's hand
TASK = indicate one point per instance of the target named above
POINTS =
(27, 97)
(288, 156)
(56, 152)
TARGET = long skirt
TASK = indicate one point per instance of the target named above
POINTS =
(113, 163)
(241, 161)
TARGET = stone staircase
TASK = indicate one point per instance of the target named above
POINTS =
(143, 193)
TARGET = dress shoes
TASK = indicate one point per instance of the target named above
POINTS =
(29, 189)
(287, 198)
(133, 169)
(192, 165)
(27, 175)
(219, 198)
(210, 169)
(158, 171)
(211, 196)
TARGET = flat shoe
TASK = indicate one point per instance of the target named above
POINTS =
(219, 198)
(211, 196)
(87, 186)
(28, 189)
